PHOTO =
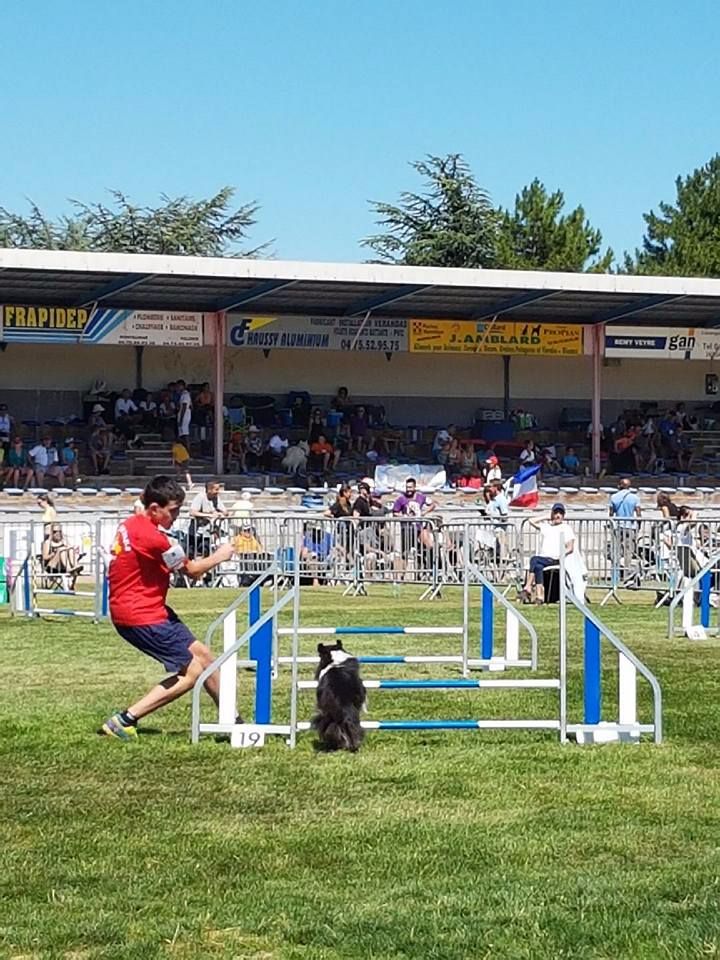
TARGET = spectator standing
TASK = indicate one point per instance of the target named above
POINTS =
(668, 509)
(342, 506)
(206, 510)
(552, 537)
(47, 506)
(184, 414)
(625, 506)
(443, 439)
(149, 412)
(204, 404)
(413, 504)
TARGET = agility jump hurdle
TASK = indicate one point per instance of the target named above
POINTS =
(702, 583)
(260, 631)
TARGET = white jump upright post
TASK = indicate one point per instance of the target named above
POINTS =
(227, 707)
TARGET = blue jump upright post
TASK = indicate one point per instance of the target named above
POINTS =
(592, 694)
(486, 642)
(705, 584)
(261, 643)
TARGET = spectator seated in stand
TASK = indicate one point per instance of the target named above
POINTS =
(17, 465)
(149, 412)
(100, 448)
(7, 428)
(70, 460)
(45, 462)
(203, 406)
(167, 415)
(254, 448)
(127, 415)
(570, 462)
(236, 453)
(359, 429)
(491, 469)
(277, 447)
(321, 455)
(549, 461)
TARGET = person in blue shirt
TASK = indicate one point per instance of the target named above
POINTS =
(570, 462)
(625, 508)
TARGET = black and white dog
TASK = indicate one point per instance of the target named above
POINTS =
(340, 698)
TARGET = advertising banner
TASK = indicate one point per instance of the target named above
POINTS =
(662, 343)
(316, 333)
(24, 323)
(502, 338)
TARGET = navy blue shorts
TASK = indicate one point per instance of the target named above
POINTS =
(167, 642)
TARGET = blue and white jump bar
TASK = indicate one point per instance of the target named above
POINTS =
(454, 725)
(359, 631)
(464, 684)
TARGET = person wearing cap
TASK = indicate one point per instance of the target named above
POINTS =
(492, 469)
(555, 536)
(96, 417)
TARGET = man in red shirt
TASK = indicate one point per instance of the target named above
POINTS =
(139, 577)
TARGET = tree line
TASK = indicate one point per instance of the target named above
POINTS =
(450, 221)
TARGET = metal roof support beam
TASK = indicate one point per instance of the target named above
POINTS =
(257, 292)
(118, 286)
(631, 309)
(505, 306)
(384, 299)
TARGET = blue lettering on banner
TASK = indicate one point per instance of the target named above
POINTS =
(238, 331)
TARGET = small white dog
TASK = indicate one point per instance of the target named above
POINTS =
(296, 457)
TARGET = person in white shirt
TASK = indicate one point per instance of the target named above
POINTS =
(553, 537)
(528, 454)
(277, 445)
(184, 413)
(442, 437)
(44, 461)
(492, 469)
(126, 414)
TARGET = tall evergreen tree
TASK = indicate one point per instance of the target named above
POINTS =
(180, 225)
(452, 224)
(683, 238)
(538, 236)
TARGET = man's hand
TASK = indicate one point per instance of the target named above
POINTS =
(224, 552)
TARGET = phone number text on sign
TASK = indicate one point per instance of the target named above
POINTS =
(372, 344)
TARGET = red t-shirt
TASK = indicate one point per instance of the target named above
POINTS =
(137, 576)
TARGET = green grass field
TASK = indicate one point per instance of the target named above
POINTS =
(443, 846)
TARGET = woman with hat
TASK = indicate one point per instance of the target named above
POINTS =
(96, 417)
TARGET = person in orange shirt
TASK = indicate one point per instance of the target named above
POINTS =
(321, 453)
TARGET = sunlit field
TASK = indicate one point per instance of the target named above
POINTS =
(442, 845)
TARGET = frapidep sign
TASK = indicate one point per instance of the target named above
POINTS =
(316, 333)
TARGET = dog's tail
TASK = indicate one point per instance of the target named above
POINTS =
(339, 734)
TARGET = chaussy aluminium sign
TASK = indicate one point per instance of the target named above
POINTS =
(662, 343)
(27, 323)
(316, 333)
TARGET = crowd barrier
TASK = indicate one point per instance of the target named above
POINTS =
(643, 554)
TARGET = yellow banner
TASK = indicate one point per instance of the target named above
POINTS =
(25, 317)
(467, 336)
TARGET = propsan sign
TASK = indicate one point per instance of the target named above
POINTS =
(662, 343)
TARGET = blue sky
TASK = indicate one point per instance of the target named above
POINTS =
(313, 108)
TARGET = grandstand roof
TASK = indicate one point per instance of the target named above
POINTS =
(207, 284)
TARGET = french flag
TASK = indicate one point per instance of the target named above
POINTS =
(523, 487)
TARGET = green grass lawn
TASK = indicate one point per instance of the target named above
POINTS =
(443, 846)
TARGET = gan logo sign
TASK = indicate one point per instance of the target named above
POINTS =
(658, 343)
